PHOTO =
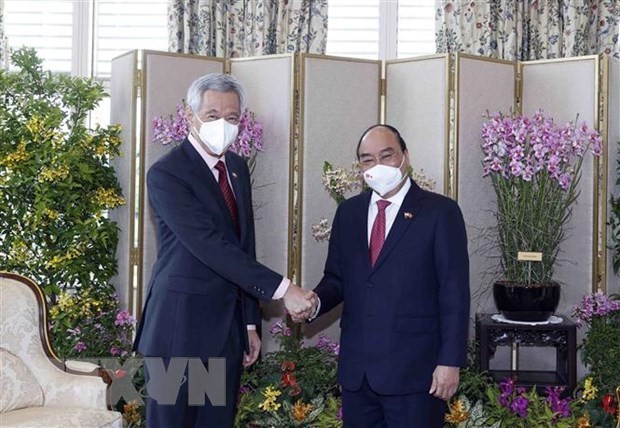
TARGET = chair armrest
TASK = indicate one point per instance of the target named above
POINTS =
(83, 390)
(81, 367)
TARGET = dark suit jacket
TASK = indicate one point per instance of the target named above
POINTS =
(202, 266)
(408, 313)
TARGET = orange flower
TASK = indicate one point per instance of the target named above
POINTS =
(584, 421)
(458, 413)
(300, 410)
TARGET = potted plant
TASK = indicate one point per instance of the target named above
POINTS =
(534, 165)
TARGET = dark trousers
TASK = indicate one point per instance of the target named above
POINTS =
(182, 414)
(365, 408)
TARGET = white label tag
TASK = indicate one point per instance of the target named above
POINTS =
(525, 256)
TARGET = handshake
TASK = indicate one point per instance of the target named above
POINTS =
(300, 304)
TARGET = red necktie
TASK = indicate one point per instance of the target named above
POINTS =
(228, 194)
(377, 236)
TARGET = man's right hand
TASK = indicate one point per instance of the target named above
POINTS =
(299, 303)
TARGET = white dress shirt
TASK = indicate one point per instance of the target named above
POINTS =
(390, 212)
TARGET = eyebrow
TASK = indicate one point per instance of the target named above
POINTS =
(384, 151)
(214, 110)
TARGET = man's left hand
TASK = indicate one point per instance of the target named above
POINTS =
(445, 382)
(254, 340)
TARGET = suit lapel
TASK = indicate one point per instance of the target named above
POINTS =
(360, 222)
(404, 218)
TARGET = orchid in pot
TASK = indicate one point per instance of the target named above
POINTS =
(534, 165)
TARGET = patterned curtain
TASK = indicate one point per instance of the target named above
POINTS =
(241, 28)
(528, 29)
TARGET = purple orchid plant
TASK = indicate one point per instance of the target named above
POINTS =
(535, 168)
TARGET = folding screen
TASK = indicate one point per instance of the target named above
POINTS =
(550, 85)
(339, 100)
(269, 84)
(319, 105)
(123, 112)
(482, 85)
(612, 125)
(417, 103)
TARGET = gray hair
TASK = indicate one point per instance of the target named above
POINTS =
(214, 82)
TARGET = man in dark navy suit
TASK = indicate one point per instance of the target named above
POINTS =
(202, 300)
(398, 261)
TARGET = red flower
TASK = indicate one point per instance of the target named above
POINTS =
(608, 404)
(289, 379)
(295, 390)
(287, 365)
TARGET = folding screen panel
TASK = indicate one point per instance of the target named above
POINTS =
(269, 83)
(417, 103)
(482, 85)
(323, 105)
(613, 148)
(165, 79)
(123, 112)
(565, 89)
(339, 100)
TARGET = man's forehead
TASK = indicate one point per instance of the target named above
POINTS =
(379, 139)
(215, 96)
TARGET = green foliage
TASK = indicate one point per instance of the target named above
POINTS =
(600, 351)
(614, 223)
(55, 186)
(292, 387)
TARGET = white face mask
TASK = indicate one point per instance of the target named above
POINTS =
(383, 179)
(218, 135)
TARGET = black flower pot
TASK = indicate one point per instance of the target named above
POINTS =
(526, 303)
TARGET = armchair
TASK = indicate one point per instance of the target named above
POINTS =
(37, 388)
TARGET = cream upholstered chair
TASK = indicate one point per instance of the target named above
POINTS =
(36, 388)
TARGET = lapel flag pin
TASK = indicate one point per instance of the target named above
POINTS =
(408, 215)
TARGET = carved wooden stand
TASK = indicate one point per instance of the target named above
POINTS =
(491, 334)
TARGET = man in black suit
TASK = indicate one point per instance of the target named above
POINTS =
(398, 262)
(202, 300)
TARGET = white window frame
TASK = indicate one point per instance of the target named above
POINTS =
(388, 22)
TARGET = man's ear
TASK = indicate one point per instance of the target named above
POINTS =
(189, 113)
(409, 168)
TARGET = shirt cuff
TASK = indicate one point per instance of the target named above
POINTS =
(281, 290)
(317, 310)
(251, 326)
